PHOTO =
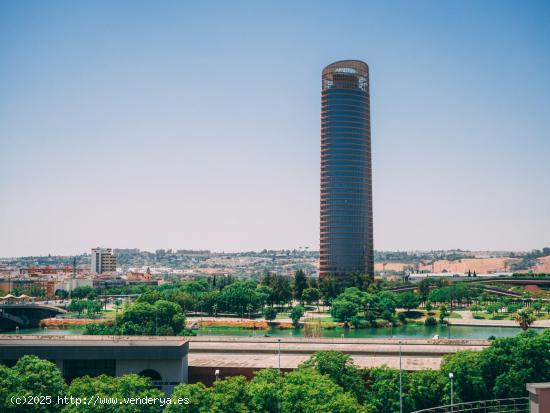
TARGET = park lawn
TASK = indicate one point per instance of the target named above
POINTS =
(235, 327)
(110, 314)
(326, 319)
(455, 315)
(502, 316)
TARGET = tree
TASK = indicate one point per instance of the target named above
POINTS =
(493, 308)
(327, 285)
(77, 306)
(469, 382)
(443, 313)
(62, 294)
(229, 395)
(295, 314)
(169, 318)
(83, 292)
(353, 295)
(164, 318)
(383, 390)
(270, 313)
(424, 288)
(306, 390)
(511, 362)
(150, 296)
(280, 286)
(106, 387)
(409, 300)
(430, 321)
(537, 306)
(426, 388)
(264, 391)
(93, 307)
(386, 302)
(429, 306)
(525, 318)
(311, 296)
(198, 396)
(236, 297)
(186, 301)
(8, 387)
(341, 370)
(512, 308)
(300, 284)
(31, 377)
(343, 310)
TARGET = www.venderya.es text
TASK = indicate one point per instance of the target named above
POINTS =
(96, 400)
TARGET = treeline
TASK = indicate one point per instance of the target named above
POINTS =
(328, 382)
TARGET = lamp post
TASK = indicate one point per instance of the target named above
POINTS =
(451, 376)
(400, 382)
(279, 353)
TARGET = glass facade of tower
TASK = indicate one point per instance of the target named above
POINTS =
(346, 184)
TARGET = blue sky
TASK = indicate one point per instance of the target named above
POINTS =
(196, 124)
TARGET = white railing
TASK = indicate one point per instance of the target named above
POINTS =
(517, 405)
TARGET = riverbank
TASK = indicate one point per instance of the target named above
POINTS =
(70, 322)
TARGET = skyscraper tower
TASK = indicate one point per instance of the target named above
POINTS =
(346, 182)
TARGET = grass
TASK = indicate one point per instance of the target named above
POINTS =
(214, 327)
(326, 319)
(482, 315)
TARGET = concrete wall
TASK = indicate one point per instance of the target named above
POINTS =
(171, 371)
(539, 397)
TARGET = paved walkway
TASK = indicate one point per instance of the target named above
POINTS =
(468, 320)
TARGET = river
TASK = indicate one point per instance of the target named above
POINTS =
(407, 331)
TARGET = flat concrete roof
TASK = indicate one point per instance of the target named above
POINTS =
(292, 361)
(93, 347)
(532, 387)
(262, 352)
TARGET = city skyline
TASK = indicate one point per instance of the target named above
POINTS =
(197, 125)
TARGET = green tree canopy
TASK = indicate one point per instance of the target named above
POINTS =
(343, 310)
(270, 313)
(341, 370)
(295, 314)
(300, 284)
(31, 376)
(104, 387)
(408, 300)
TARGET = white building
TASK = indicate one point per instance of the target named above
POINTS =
(103, 260)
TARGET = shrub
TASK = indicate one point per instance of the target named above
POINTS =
(430, 321)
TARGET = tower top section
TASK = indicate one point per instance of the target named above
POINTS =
(346, 74)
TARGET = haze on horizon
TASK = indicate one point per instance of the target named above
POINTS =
(196, 126)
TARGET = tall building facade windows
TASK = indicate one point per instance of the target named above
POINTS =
(346, 182)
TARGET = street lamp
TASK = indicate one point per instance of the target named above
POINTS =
(279, 352)
(400, 382)
(217, 374)
(451, 377)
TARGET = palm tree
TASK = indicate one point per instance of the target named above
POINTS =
(525, 319)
